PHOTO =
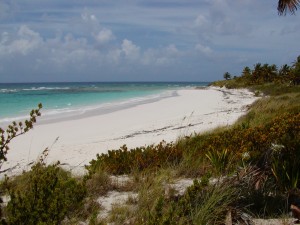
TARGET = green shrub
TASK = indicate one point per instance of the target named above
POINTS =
(255, 141)
(124, 161)
(49, 195)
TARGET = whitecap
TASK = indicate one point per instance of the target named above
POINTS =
(45, 88)
(8, 90)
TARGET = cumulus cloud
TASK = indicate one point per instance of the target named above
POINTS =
(56, 53)
(78, 54)
(161, 57)
(88, 17)
(130, 50)
(27, 40)
(104, 36)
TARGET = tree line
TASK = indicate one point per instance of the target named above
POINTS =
(265, 73)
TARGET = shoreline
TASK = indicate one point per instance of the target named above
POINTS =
(79, 112)
(74, 100)
(76, 142)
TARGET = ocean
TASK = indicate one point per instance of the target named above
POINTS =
(71, 100)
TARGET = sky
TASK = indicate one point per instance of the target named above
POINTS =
(141, 40)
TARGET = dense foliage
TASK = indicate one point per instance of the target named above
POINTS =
(254, 141)
(47, 196)
(124, 161)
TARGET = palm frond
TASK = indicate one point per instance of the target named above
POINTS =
(287, 5)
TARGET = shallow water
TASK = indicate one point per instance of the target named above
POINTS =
(67, 100)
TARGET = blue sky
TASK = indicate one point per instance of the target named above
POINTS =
(141, 40)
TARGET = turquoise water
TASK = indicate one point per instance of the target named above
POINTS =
(62, 100)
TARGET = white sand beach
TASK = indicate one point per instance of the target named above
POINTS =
(75, 142)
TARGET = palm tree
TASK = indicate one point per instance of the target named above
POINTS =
(296, 72)
(284, 73)
(246, 72)
(257, 73)
(227, 76)
(272, 73)
(287, 5)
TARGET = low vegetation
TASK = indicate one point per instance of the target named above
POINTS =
(48, 195)
(124, 161)
(243, 171)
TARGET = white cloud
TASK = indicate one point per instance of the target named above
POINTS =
(71, 43)
(130, 50)
(68, 51)
(78, 54)
(105, 35)
(155, 57)
(88, 17)
(162, 56)
(27, 40)
(204, 49)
